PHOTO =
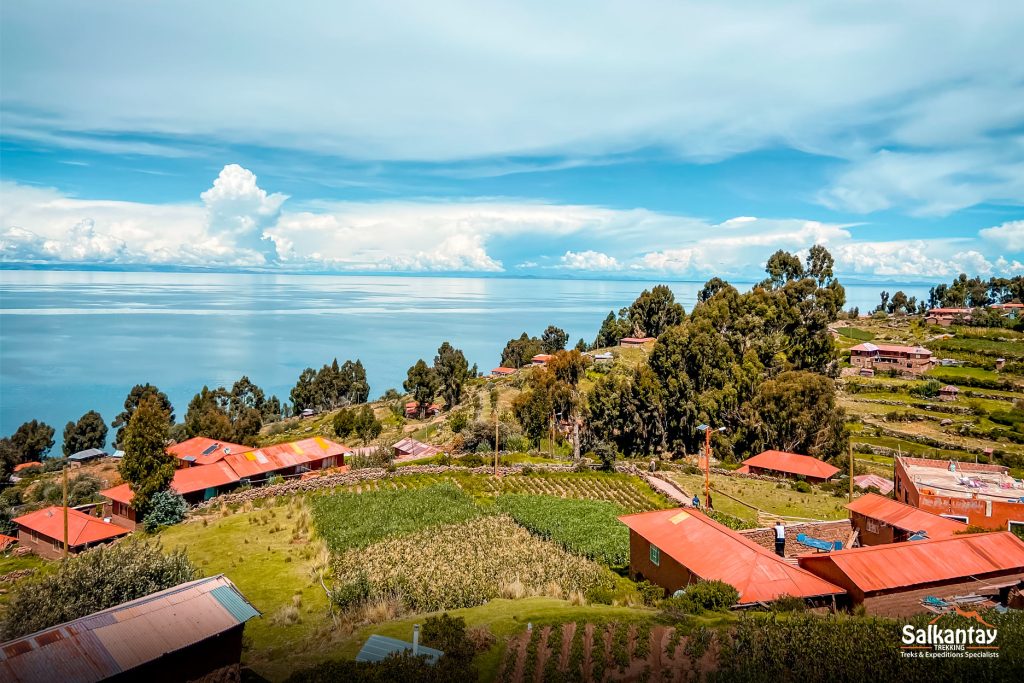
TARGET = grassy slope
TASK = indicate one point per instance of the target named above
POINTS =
(256, 559)
(764, 495)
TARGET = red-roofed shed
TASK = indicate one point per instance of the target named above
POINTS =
(43, 531)
(879, 520)
(675, 548)
(788, 464)
(891, 580)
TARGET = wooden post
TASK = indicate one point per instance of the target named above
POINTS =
(707, 468)
(495, 442)
(851, 471)
(65, 508)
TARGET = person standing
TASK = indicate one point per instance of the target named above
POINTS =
(780, 539)
(696, 501)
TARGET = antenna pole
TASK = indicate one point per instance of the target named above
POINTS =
(65, 508)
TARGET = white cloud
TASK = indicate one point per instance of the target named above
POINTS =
(238, 212)
(401, 80)
(458, 253)
(589, 260)
(1008, 236)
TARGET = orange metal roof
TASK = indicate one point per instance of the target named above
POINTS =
(884, 486)
(904, 516)
(203, 451)
(635, 340)
(897, 565)
(283, 456)
(791, 463)
(115, 641)
(82, 528)
(187, 480)
(26, 465)
(6, 541)
(712, 551)
(501, 370)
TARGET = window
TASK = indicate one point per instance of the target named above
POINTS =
(655, 555)
(1016, 527)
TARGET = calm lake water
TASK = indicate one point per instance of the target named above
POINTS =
(77, 341)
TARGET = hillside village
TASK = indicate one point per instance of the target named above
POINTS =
(570, 515)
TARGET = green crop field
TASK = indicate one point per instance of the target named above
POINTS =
(855, 333)
(628, 492)
(347, 520)
(586, 527)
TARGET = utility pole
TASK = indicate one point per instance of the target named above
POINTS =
(851, 471)
(551, 436)
(707, 461)
(65, 508)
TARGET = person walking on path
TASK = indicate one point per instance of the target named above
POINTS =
(780, 539)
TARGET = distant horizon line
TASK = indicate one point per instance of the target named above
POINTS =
(223, 270)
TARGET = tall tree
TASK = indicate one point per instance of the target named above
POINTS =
(354, 378)
(89, 432)
(452, 370)
(131, 402)
(146, 465)
(783, 267)
(302, 394)
(613, 329)
(655, 311)
(519, 352)
(422, 382)
(33, 440)
(553, 339)
(797, 412)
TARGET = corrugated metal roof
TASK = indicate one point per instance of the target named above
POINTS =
(897, 565)
(416, 448)
(204, 451)
(904, 516)
(87, 454)
(82, 528)
(284, 456)
(791, 463)
(712, 551)
(378, 648)
(884, 486)
(116, 640)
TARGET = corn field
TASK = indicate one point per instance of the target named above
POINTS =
(629, 494)
(584, 527)
(466, 564)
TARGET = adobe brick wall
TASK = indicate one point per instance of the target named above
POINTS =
(668, 573)
(839, 530)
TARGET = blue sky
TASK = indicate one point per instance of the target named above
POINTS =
(643, 139)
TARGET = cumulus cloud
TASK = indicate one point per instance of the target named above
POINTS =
(589, 260)
(238, 212)
(458, 253)
(80, 244)
(1008, 236)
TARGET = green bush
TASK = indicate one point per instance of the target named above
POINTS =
(802, 487)
(600, 595)
(472, 460)
(458, 421)
(166, 509)
(703, 596)
(650, 593)
(352, 593)
(93, 581)
(788, 603)
(448, 634)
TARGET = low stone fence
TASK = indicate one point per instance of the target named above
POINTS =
(839, 530)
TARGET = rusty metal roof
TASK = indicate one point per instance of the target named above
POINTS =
(898, 565)
(791, 463)
(121, 638)
(904, 516)
(416, 448)
(884, 486)
(713, 551)
(82, 528)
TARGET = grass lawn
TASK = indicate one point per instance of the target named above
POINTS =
(765, 495)
(911, 447)
(964, 371)
(10, 563)
(271, 563)
(856, 333)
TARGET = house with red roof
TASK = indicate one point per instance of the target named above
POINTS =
(679, 547)
(880, 520)
(948, 316)
(635, 342)
(891, 580)
(200, 450)
(412, 409)
(502, 371)
(202, 482)
(42, 531)
(776, 463)
(541, 359)
(913, 360)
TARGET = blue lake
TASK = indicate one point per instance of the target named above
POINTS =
(77, 341)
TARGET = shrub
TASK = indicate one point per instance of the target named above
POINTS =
(600, 595)
(93, 581)
(703, 596)
(458, 421)
(650, 593)
(448, 634)
(472, 460)
(351, 594)
(166, 508)
(788, 603)
(802, 487)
